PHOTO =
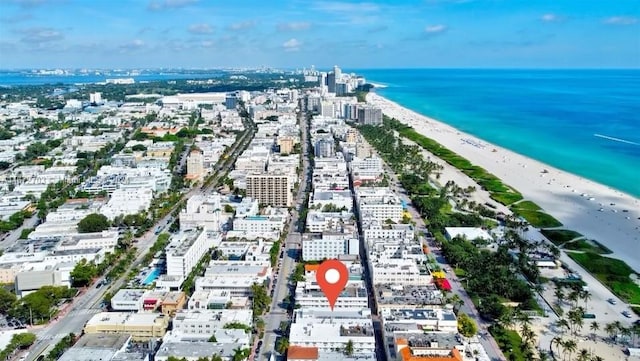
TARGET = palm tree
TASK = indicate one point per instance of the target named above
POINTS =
(543, 356)
(586, 296)
(348, 348)
(626, 332)
(597, 358)
(239, 354)
(558, 342)
(594, 328)
(563, 324)
(583, 355)
(570, 346)
(559, 294)
(573, 296)
(282, 345)
(610, 329)
(456, 301)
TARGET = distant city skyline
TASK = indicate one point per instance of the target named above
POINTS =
(296, 33)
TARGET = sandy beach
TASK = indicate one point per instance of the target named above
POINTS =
(598, 212)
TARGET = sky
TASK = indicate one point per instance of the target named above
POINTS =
(300, 33)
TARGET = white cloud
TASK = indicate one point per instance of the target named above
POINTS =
(339, 7)
(549, 18)
(243, 25)
(156, 5)
(292, 44)
(435, 29)
(620, 20)
(200, 29)
(294, 26)
(40, 35)
(133, 45)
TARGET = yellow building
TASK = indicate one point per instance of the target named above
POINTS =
(142, 326)
(195, 165)
(286, 144)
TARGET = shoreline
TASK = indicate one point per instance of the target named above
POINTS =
(597, 211)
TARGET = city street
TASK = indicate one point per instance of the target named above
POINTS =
(287, 264)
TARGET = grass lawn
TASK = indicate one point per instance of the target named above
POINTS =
(509, 342)
(538, 219)
(529, 205)
(586, 245)
(612, 272)
(560, 236)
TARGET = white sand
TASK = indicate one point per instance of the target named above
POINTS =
(573, 200)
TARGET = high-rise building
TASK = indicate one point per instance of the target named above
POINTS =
(337, 72)
(327, 109)
(270, 189)
(95, 98)
(331, 82)
(231, 101)
(195, 165)
(324, 148)
(369, 115)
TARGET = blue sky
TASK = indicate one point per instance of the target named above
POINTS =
(297, 33)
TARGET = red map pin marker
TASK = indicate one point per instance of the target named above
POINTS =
(332, 276)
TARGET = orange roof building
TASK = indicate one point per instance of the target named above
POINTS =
(411, 353)
(311, 267)
(295, 353)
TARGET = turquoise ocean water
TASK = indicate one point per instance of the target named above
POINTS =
(586, 122)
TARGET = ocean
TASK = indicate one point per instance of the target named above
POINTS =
(586, 122)
(13, 78)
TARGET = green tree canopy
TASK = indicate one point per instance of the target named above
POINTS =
(466, 326)
(83, 273)
(93, 223)
(7, 299)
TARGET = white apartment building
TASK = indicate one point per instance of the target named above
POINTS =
(127, 201)
(270, 189)
(261, 270)
(318, 222)
(377, 229)
(426, 319)
(329, 246)
(201, 212)
(329, 330)
(237, 287)
(127, 300)
(259, 224)
(202, 324)
(209, 300)
(106, 240)
(340, 199)
(378, 203)
(309, 295)
(187, 248)
(76, 255)
(398, 271)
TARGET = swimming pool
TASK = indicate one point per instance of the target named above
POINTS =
(151, 276)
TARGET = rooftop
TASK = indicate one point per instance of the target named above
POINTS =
(302, 353)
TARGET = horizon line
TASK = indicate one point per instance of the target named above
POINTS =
(227, 68)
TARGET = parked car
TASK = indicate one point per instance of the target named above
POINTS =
(626, 314)
(612, 301)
